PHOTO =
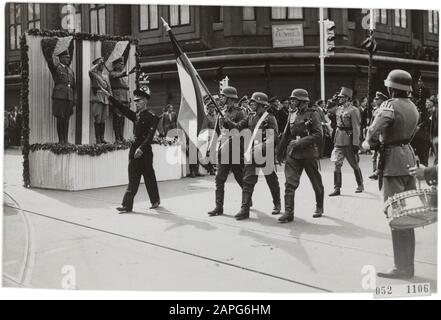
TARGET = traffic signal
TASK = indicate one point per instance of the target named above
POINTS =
(329, 32)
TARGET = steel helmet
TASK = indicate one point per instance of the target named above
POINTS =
(300, 94)
(399, 79)
(230, 92)
(260, 97)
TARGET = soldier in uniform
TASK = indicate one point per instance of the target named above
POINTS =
(378, 100)
(98, 99)
(347, 140)
(299, 143)
(145, 124)
(231, 117)
(120, 91)
(64, 93)
(263, 120)
(394, 126)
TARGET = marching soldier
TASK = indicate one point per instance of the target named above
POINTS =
(120, 91)
(98, 99)
(378, 100)
(64, 93)
(140, 154)
(394, 126)
(299, 143)
(232, 116)
(347, 140)
(262, 120)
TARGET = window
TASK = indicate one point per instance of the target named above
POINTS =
(433, 21)
(286, 13)
(179, 15)
(400, 18)
(248, 14)
(148, 17)
(15, 25)
(71, 17)
(98, 19)
(33, 16)
(381, 16)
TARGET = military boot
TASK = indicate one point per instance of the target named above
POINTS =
(359, 179)
(288, 216)
(337, 184)
(318, 211)
(277, 208)
(244, 212)
(102, 131)
(97, 133)
(219, 209)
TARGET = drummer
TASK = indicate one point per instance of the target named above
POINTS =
(396, 122)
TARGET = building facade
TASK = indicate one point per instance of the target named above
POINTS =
(269, 49)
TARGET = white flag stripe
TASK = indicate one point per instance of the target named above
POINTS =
(117, 52)
(62, 45)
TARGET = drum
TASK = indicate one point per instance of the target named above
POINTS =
(412, 209)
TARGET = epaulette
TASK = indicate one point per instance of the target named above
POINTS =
(387, 106)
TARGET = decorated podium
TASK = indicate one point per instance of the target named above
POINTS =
(69, 138)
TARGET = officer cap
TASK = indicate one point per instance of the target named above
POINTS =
(142, 91)
(64, 53)
(380, 96)
(97, 60)
(300, 94)
(119, 60)
(260, 97)
(272, 99)
(230, 92)
(345, 92)
(399, 79)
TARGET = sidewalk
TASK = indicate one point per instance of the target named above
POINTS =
(178, 247)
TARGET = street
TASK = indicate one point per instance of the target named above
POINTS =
(51, 236)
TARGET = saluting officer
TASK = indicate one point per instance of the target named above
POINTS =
(346, 140)
(300, 140)
(120, 91)
(64, 93)
(232, 116)
(260, 120)
(394, 126)
(140, 154)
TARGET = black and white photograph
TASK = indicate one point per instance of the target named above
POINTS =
(180, 147)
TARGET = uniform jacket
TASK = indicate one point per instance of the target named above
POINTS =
(348, 126)
(302, 136)
(396, 121)
(97, 81)
(144, 127)
(169, 121)
(233, 117)
(120, 88)
(64, 82)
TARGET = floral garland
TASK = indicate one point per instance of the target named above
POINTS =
(81, 35)
(24, 96)
(81, 149)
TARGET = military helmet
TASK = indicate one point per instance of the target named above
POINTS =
(300, 94)
(399, 79)
(230, 92)
(260, 97)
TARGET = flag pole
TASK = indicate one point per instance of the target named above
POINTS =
(170, 33)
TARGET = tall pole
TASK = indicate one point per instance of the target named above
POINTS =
(371, 33)
(322, 55)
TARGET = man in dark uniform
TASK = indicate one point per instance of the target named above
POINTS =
(378, 101)
(421, 142)
(64, 93)
(394, 126)
(232, 116)
(120, 91)
(300, 143)
(260, 120)
(347, 140)
(140, 154)
(99, 102)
